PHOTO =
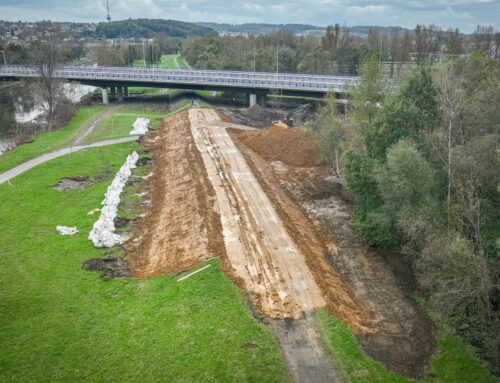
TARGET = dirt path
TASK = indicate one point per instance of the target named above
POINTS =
(90, 125)
(259, 249)
(300, 343)
(262, 255)
(182, 227)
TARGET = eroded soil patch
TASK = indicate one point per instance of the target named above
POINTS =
(73, 183)
(111, 267)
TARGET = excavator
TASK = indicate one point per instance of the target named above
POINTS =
(287, 121)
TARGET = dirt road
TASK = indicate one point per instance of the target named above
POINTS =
(259, 248)
(90, 125)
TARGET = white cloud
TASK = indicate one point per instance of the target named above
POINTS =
(464, 14)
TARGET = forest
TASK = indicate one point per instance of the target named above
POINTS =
(422, 165)
(339, 51)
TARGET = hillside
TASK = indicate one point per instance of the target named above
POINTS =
(148, 27)
(261, 28)
(258, 28)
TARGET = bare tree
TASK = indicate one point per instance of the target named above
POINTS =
(427, 42)
(483, 39)
(451, 94)
(46, 56)
(454, 45)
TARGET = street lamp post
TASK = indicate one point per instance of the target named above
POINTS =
(254, 54)
(144, 53)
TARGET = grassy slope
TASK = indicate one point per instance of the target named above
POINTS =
(181, 62)
(46, 142)
(455, 363)
(119, 124)
(61, 323)
(166, 61)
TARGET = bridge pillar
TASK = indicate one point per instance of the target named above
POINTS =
(125, 91)
(262, 99)
(113, 92)
(105, 99)
(252, 99)
(120, 93)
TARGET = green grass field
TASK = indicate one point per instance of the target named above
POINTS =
(454, 363)
(181, 62)
(166, 61)
(60, 323)
(47, 142)
(119, 124)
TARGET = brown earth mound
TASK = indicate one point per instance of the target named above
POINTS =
(182, 228)
(290, 146)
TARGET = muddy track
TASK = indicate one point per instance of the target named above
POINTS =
(182, 227)
(259, 248)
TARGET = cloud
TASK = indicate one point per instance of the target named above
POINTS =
(464, 14)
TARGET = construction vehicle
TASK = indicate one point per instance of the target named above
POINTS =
(287, 121)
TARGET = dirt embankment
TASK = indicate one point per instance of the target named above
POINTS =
(360, 285)
(291, 146)
(182, 228)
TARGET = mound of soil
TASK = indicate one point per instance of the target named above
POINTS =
(290, 146)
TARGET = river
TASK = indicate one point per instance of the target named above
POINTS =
(19, 107)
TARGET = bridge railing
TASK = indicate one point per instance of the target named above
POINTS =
(207, 78)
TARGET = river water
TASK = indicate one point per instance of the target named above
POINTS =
(19, 106)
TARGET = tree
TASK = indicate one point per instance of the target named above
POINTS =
(46, 56)
(454, 44)
(368, 94)
(456, 277)
(451, 94)
(413, 112)
(427, 42)
(407, 186)
(108, 56)
(483, 39)
(328, 132)
(76, 49)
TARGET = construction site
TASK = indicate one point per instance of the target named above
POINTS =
(260, 200)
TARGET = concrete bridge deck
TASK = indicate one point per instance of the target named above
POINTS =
(253, 83)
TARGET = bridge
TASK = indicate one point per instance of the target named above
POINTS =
(255, 84)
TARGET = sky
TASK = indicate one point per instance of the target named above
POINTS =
(462, 14)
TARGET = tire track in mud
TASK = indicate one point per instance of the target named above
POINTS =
(259, 248)
(280, 282)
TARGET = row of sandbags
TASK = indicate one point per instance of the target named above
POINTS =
(103, 232)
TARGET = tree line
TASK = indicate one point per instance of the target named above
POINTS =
(339, 51)
(422, 165)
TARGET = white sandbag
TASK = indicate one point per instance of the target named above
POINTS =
(141, 126)
(103, 232)
(64, 230)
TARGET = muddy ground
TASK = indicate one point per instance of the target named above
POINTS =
(283, 234)
(402, 336)
(181, 228)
